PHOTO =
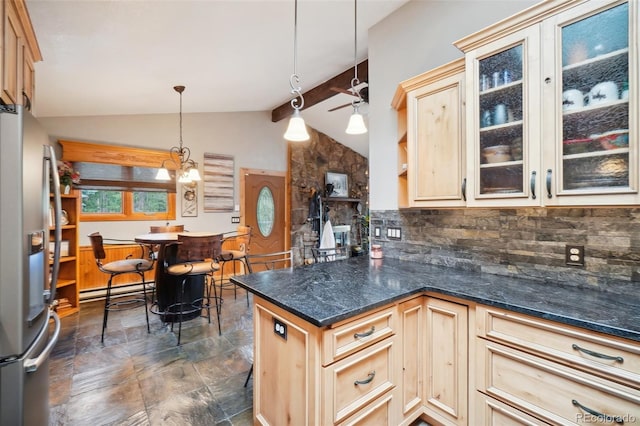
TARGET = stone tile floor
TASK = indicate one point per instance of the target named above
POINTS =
(137, 378)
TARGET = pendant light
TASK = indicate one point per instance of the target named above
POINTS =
(356, 124)
(297, 130)
(187, 168)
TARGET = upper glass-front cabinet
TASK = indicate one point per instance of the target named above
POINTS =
(552, 102)
(504, 73)
(501, 124)
(595, 132)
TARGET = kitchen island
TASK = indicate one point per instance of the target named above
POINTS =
(420, 340)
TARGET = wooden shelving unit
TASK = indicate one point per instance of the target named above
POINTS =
(67, 293)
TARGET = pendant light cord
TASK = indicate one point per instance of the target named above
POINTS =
(354, 80)
(180, 121)
(294, 80)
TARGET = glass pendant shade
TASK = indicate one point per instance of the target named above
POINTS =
(163, 174)
(297, 130)
(184, 177)
(194, 175)
(356, 124)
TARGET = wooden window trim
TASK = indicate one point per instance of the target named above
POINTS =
(76, 151)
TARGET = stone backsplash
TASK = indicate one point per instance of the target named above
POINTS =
(525, 242)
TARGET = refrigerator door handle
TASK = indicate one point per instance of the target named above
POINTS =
(32, 364)
(50, 157)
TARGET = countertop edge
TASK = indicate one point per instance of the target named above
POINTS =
(260, 285)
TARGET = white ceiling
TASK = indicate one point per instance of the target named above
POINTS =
(111, 57)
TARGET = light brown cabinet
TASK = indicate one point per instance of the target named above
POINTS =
(412, 337)
(19, 52)
(446, 359)
(548, 113)
(551, 95)
(67, 293)
(442, 359)
(345, 374)
(565, 375)
(431, 155)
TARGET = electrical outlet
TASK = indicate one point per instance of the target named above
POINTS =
(280, 328)
(574, 255)
(235, 219)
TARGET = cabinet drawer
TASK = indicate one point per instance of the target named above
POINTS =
(492, 412)
(612, 358)
(548, 390)
(377, 413)
(353, 382)
(355, 335)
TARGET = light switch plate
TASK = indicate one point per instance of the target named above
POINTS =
(394, 233)
(235, 219)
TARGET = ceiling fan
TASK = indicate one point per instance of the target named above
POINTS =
(362, 93)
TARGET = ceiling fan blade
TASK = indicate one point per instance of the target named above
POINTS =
(345, 91)
(340, 107)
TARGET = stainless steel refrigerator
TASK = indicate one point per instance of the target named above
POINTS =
(29, 328)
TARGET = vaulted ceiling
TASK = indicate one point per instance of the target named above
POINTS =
(106, 57)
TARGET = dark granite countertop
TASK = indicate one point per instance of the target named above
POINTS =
(326, 293)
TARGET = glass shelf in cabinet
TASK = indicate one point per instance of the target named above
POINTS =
(501, 89)
(600, 153)
(603, 60)
(593, 109)
(501, 126)
(512, 163)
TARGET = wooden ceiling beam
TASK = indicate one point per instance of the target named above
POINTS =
(323, 91)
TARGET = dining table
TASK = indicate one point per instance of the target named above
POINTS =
(168, 287)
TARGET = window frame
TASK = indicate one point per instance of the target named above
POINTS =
(75, 151)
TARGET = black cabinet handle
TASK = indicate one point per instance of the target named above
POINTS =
(532, 184)
(365, 334)
(367, 380)
(600, 416)
(598, 355)
(464, 189)
(549, 172)
(27, 101)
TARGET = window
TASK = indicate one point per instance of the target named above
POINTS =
(118, 183)
(265, 211)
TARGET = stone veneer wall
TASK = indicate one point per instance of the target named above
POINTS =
(526, 242)
(308, 163)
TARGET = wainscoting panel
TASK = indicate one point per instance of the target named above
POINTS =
(90, 277)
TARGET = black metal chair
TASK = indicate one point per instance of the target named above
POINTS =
(267, 262)
(235, 247)
(196, 256)
(130, 265)
(321, 255)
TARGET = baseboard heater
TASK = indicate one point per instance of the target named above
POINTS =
(122, 290)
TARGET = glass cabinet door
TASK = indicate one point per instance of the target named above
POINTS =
(504, 154)
(500, 79)
(594, 156)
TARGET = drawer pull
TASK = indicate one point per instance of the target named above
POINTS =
(366, 333)
(600, 416)
(598, 355)
(367, 380)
